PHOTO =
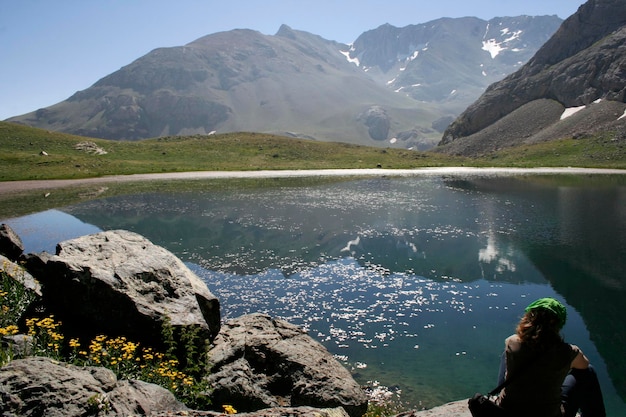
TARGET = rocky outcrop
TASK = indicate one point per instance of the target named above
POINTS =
(582, 63)
(541, 121)
(259, 362)
(377, 122)
(38, 386)
(453, 409)
(11, 245)
(268, 412)
(19, 274)
(11, 249)
(119, 283)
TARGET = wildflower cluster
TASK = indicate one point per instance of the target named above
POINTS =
(47, 336)
(9, 330)
(14, 298)
(98, 403)
(127, 359)
(383, 402)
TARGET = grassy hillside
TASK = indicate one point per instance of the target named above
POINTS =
(22, 155)
(28, 153)
(33, 154)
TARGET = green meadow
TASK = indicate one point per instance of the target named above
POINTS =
(28, 153)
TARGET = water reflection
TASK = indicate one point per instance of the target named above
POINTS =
(493, 255)
(42, 231)
(414, 282)
(436, 340)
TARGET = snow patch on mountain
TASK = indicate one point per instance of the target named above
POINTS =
(494, 47)
(570, 111)
(351, 60)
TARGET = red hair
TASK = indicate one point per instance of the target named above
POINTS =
(539, 329)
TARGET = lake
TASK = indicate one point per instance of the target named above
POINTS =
(412, 282)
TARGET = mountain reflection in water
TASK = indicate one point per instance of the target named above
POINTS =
(412, 282)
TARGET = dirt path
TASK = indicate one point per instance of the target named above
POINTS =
(13, 186)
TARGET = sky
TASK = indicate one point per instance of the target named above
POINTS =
(50, 49)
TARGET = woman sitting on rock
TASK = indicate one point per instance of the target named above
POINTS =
(551, 378)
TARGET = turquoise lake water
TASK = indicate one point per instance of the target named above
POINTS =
(413, 283)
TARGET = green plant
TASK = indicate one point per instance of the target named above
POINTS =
(14, 297)
(383, 402)
(47, 339)
(98, 403)
(127, 359)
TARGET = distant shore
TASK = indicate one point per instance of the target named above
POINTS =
(29, 185)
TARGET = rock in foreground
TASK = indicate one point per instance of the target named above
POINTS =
(259, 362)
(120, 283)
(43, 387)
(453, 409)
(10, 243)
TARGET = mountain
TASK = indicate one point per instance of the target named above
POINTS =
(575, 85)
(395, 87)
(450, 61)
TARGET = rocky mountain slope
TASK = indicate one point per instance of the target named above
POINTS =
(450, 61)
(574, 85)
(392, 87)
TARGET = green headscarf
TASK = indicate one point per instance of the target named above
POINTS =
(552, 305)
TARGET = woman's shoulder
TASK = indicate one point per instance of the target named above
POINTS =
(512, 342)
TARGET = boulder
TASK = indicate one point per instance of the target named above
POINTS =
(267, 412)
(377, 122)
(19, 274)
(118, 283)
(259, 362)
(39, 386)
(297, 412)
(453, 409)
(11, 245)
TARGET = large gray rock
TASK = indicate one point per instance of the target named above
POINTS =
(43, 387)
(11, 245)
(377, 122)
(453, 409)
(19, 274)
(267, 412)
(260, 362)
(119, 283)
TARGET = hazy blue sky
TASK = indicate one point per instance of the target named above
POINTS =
(49, 49)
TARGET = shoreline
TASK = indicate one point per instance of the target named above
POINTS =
(30, 185)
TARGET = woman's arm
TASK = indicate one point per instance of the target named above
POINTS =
(580, 361)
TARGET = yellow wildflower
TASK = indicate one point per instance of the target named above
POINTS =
(9, 330)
